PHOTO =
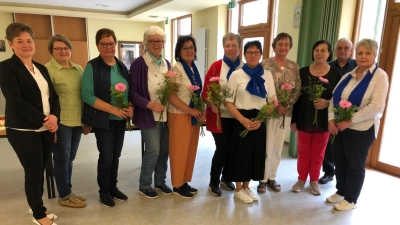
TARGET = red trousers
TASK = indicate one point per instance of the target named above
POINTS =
(311, 149)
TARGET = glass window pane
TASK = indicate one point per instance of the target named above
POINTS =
(234, 20)
(388, 154)
(372, 21)
(245, 40)
(185, 26)
(258, 8)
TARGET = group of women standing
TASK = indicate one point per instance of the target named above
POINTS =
(44, 101)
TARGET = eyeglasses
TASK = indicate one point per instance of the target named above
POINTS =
(153, 42)
(105, 45)
(186, 49)
(250, 53)
(346, 48)
(66, 49)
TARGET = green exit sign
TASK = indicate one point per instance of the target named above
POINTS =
(231, 4)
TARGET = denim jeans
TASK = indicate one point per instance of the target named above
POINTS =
(109, 143)
(64, 153)
(155, 157)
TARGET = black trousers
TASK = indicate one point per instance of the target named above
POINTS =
(222, 142)
(34, 151)
(328, 166)
(350, 151)
(109, 143)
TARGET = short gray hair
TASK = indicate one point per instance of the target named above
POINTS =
(370, 44)
(151, 31)
(344, 39)
(232, 36)
(58, 37)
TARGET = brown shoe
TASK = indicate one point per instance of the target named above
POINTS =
(273, 185)
(262, 187)
(72, 202)
(79, 197)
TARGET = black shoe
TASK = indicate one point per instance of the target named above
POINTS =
(190, 188)
(228, 185)
(107, 200)
(182, 192)
(214, 189)
(325, 179)
(148, 193)
(163, 188)
(117, 194)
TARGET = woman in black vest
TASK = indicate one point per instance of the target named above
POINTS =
(102, 114)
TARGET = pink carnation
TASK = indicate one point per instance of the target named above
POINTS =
(345, 104)
(323, 80)
(275, 99)
(171, 74)
(120, 87)
(286, 86)
(193, 87)
(214, 79)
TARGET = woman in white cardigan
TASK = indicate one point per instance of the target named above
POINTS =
(365, 87)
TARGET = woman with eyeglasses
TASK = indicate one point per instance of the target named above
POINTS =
(66, 77)
(146, 77)
(252, 86)
(182, 118)
(32, 112)
(222, 69)
(101, 113)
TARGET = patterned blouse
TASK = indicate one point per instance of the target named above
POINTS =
(285, 74)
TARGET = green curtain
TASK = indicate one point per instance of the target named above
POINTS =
(330, 21)
(319, 20)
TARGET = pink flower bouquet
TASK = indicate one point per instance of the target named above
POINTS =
(166, 89)
(343, 112)
(118, 92)
(266, 112)
(283, 95)
(217, 96)
(315, 90)
(198, 104)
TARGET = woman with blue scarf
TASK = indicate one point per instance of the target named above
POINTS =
(182, 118)
(252, 86)
(365, 87)
(222, 69)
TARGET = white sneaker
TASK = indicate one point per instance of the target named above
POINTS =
(50, 216)
(242, 196)
(315, 188)
(335, 198)
(298, 186)
(251, 194)
(38, 223)
(345, 205)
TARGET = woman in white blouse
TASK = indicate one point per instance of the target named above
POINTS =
(182, 118)
(252, 86)
(365, 87)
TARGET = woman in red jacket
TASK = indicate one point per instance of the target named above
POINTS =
(222, 69)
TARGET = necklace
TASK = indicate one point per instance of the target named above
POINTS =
(29, 67)
(319, 69)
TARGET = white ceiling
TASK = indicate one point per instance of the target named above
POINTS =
(133, 10)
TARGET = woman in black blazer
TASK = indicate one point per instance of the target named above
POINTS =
(32, 112)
